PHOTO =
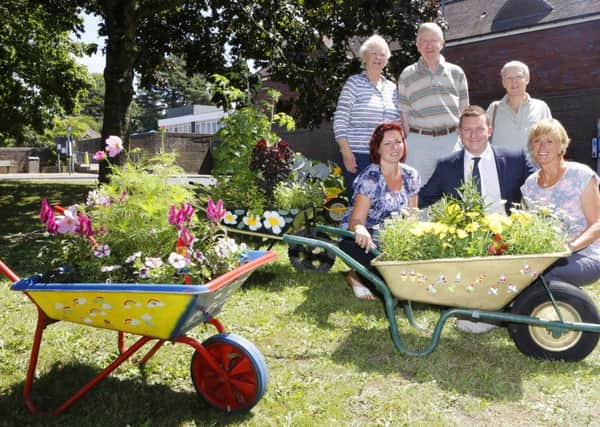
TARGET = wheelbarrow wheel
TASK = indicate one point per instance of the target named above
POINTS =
(309, 258)
(334, 209)
(243, 379)
(539, 342)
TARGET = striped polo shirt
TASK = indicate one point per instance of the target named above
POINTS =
(433, 100)
(361, 107)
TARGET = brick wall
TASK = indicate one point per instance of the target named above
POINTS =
(192, 149)
(564, 64)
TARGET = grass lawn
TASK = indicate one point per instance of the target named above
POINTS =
(330, 357)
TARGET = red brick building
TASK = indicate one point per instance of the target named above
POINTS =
(558, 39)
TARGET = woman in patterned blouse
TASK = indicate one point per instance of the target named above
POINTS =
(385, 187)
(571, 190)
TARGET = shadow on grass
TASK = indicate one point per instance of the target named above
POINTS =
(112, 402)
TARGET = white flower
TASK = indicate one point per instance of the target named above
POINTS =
(252, 221)
(133, 257)
(102, 251)
(109, 268)
(144, 273)
(274, 221)
(225, 247)
(177, 261)
(153, 262)
(230, 218)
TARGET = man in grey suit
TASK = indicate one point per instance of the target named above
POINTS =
(498, 172)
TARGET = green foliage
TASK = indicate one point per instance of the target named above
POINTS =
(39, 78)
(238, 183)
(296, 195)
(135, 238)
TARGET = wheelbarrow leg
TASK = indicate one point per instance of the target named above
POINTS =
(44, 321)
(408, 312)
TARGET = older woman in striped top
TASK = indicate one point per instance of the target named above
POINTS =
(366, 100)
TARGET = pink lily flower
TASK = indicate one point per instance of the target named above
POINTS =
(45, 211)
(85, 225)
(186, 238)
(51, 226)
(69, 223)
(215, 213)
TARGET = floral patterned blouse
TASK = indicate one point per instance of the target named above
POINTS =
(564, 198)
(384, 202)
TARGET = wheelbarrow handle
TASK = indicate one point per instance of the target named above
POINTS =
(10, 275)
(344, 233)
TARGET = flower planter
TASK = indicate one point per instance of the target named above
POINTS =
(486, 283)
(162, 311)
(272, 222)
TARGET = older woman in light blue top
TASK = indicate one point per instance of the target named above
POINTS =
(571, 190)
(367, 99)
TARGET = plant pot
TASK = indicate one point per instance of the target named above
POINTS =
(486, 283)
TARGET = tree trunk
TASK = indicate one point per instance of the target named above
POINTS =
(121, 53)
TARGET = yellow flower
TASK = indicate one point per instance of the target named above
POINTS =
(521, 217)
(472, 227)
(462, 234)
(497, 222)
(337, 171)
(472, 214)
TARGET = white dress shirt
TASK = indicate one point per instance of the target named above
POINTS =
(490, 183)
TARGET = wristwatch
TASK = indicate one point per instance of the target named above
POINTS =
(571, 247)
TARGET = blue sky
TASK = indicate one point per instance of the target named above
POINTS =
(94, 63)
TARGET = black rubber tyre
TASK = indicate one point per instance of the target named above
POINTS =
(310, 258)
(335, 209)
(535, 341)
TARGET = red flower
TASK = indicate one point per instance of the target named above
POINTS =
(497, 247)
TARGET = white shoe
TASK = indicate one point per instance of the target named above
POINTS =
(474, 327)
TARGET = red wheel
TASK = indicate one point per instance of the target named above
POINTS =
(244, 380)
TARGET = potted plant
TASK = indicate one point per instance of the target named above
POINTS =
(139, 228)
(464, 257)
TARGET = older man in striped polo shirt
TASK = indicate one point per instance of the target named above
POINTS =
(432, 95)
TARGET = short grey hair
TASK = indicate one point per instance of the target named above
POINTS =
(430, 27)
(521, 66)
(374, 40)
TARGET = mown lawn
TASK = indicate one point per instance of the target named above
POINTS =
(330, 358)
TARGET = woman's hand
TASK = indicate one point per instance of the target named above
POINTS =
(348, 157)
(362, 237)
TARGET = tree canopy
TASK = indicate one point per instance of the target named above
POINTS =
(39, 78)
(308, 45)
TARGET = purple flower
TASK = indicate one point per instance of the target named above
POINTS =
(114, 145)
(215, 213)
(198, 256)
(144, 273)
(182, 216)
(100, 155)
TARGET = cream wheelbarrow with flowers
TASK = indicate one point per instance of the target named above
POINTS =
(136, 259)
(480, 267)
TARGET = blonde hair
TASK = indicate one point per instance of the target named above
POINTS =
(374, 40)
(430, 27)
(552, 129)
